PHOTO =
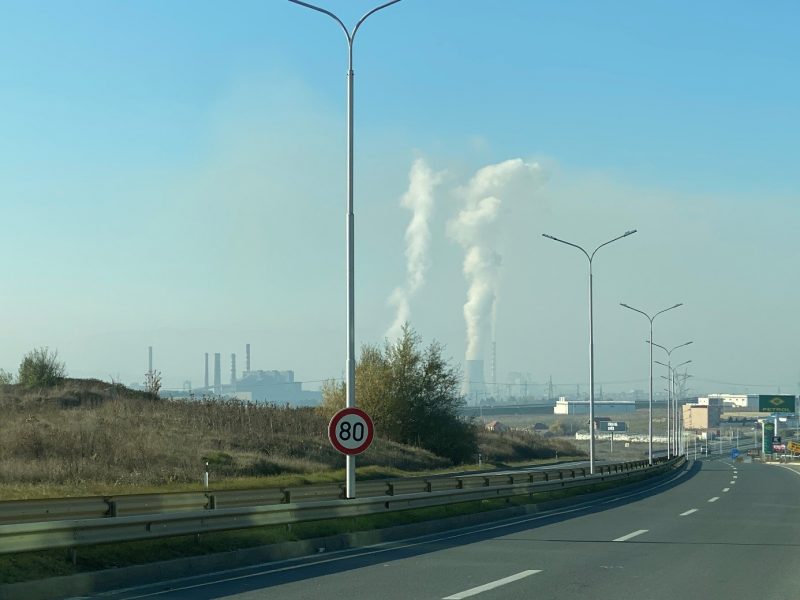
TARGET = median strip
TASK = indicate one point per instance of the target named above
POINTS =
(492, 585)
(625, 538)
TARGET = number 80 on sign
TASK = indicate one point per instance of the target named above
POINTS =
(350, 431)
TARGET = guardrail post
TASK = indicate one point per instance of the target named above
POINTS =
(112, 507)
(287, 496)
(428, 486)
(389, 488)
(212, 502)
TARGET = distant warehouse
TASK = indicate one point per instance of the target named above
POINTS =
(601, 407)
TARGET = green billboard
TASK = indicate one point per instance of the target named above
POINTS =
(776, 404)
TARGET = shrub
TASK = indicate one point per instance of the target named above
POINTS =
(41, 368)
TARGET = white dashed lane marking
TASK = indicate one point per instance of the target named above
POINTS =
(491, 585)
(625, 538)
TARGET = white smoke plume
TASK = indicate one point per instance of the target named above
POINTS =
(474, 228)
(419, 199)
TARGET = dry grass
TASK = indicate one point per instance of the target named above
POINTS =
(94, 438)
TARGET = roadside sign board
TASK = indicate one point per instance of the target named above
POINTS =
(350, 431)
(779, 447)
(734, 453)
(769, 432)
(780, 403)
(612, 426)
(793, 447)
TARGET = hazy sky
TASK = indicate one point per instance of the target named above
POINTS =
(173, 174)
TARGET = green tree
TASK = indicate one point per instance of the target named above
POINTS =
(413, 396)
(41, 368)
(6, 378)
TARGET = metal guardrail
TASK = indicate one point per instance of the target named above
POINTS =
(45, 524)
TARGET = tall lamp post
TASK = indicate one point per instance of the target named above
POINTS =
(669, 391)
(590, 257)
(650, 418)
(350, 384)
(683, 388)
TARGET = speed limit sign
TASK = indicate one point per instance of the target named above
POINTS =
(350, 431)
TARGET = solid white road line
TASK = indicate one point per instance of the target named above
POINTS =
(631, 535)
(490, 586)
(714, 499)
(726, 489)
(688, 512)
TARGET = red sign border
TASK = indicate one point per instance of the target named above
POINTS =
(335, 421)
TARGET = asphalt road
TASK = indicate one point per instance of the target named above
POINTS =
(716, 530)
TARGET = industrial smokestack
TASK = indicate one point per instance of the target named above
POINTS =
(206, 380)
(494, 364)
(233, 369)
(217, 374)
(149, 359)
(247, 357)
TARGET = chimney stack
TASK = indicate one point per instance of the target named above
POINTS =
(247, 358)
(217, 374)
(206, 386)
(233, 369)
(149, 359)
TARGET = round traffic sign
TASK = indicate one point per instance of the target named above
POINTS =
(350, 431)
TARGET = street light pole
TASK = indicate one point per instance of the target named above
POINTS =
(350, 368)
(650, 418)
(590, 257)
(683, 384)
(671, 389)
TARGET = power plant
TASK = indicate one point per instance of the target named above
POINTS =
(474, 382)
(278, 387)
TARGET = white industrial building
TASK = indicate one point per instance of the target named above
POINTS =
(743, 401)
(601, 407)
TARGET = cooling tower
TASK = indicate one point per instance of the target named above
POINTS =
(474, 384)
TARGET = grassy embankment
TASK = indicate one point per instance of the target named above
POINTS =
(92, 438)
(89, 437)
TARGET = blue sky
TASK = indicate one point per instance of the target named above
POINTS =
(172, 174)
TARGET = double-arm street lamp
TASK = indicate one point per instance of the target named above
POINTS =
(350, 384)
(683, 392)
(650, 418)
(669, 391)
(590, 257)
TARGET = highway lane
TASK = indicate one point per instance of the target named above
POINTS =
(720, 529)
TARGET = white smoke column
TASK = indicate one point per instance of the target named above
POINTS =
(473, 229)
(419, 199)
